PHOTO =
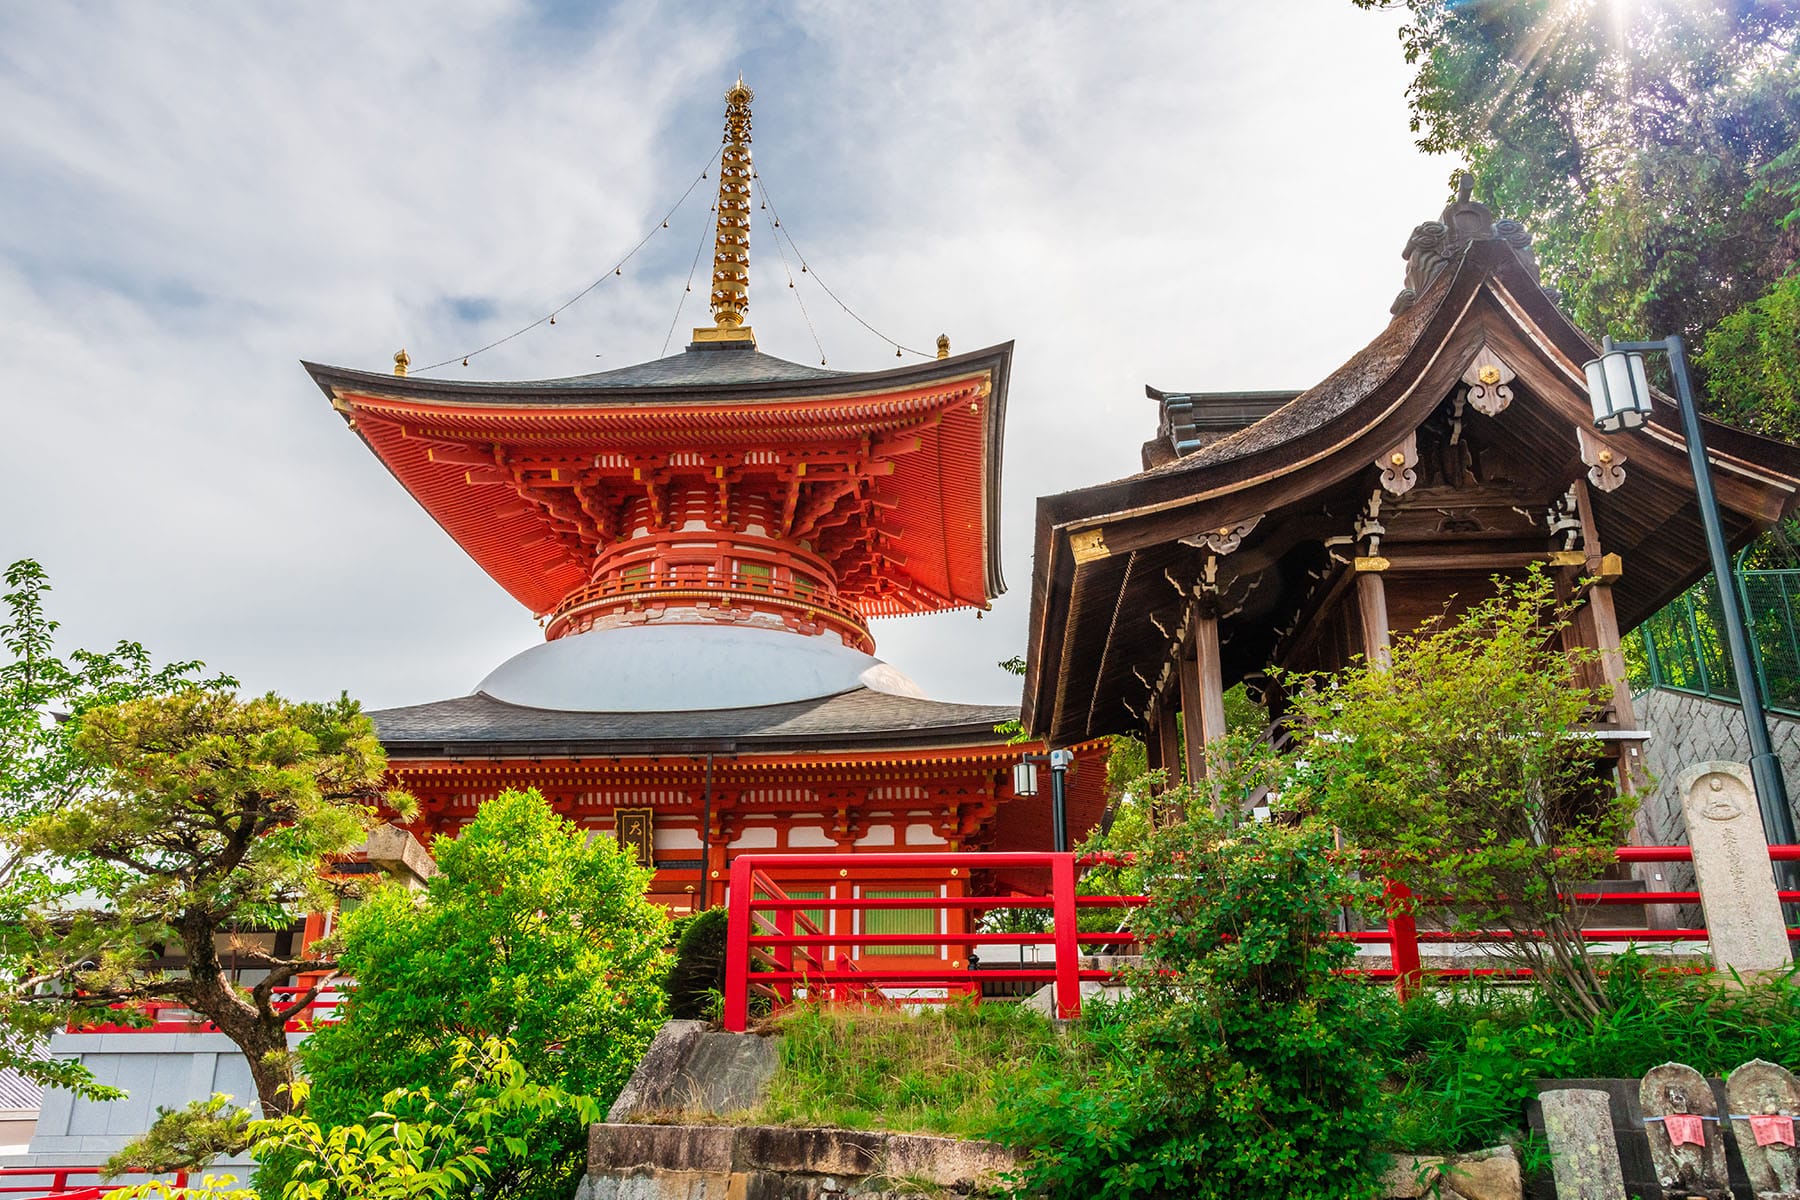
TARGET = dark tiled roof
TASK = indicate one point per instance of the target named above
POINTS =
(1337, 395)
(858, 719)
(724, 364)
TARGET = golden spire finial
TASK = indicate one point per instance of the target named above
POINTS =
(943, 345)
(731, 242)
(401, 361)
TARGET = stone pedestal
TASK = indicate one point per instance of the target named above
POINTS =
(1731, 863)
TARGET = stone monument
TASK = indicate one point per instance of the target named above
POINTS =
(1731, 862)
(1687, 1142)
(1583, 1155)
(1764, 1100)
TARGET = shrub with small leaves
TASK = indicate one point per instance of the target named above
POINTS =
(1241, 1067)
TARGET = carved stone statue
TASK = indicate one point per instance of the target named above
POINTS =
(1681, 1119)
(1764, 1100)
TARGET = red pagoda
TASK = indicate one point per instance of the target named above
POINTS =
(706, 538)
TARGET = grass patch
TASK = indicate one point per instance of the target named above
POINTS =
(945, 1072)
(1464, 1060)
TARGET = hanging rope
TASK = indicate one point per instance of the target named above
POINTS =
(618, 268)
(706, 229)
(788, 271)
(806, 269)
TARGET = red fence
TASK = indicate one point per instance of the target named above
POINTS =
(169, 1016)
(61, 1182)
(775, 949)
(789, 952)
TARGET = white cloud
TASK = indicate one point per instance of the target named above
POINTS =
(1190, 195)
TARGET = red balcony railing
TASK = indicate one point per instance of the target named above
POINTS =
(65, 1183)
(169, 1016)
(775, 949)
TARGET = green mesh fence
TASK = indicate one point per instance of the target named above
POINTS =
(1683, 646)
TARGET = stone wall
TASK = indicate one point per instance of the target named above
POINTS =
(1688, 729)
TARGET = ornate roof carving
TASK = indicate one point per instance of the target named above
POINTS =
(1435, 245)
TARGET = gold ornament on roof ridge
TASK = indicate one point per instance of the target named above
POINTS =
(731, 238)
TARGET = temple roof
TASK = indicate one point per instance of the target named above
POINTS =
(1106, 557)
(716, 373)
(471, 726)
(497, 463)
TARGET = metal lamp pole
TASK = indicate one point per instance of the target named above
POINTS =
(1025, 784)
(1765, 768)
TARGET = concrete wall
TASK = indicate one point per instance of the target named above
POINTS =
(164, 1070)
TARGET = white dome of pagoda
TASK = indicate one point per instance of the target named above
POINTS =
(685, 668)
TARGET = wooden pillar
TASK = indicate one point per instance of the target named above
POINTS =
(1371, 602)
(1167, 736)
(1202, 693)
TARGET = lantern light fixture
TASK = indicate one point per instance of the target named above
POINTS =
(1618, 389)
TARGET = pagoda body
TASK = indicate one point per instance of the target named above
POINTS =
(706, 538)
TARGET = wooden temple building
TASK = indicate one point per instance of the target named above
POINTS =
(706, 539)
(1299, 530)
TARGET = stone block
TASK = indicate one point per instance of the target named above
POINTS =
(730, 1072)
(945, 1162)
(647, 1089)
(1583, 1155)
(812, 1151)
(704, 1148)
(397, 852)
(1488, 1175)
(1731, 860)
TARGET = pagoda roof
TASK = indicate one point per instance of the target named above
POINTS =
(480, 726)
(921, 441)
(720, 373)
(1105, 557)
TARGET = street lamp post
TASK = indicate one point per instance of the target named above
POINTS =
(1620, 394)
(1025, 783)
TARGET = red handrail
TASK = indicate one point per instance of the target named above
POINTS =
(59, 1181)
(812, 959)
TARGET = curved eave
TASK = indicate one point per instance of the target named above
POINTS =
(1388, 388)
(539, 573)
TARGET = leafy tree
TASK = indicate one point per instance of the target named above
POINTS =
(1752, 363)
(1241, 1067)
(1460, 766)
(201, 814)
(419, 1145)
(1648, 147)
(44, 699)
(529, 931)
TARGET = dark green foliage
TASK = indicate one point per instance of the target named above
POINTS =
(1648, 146)
(697, 979)
(186, 1139)
(1242, 1067)
(1752, 363)
(1463, 1061)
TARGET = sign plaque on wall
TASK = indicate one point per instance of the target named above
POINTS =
(633, 827)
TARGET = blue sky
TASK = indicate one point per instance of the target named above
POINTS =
(1202, 195)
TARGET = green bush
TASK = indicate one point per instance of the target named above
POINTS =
(697, 979)
(529, 932)
(1243, 1065)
